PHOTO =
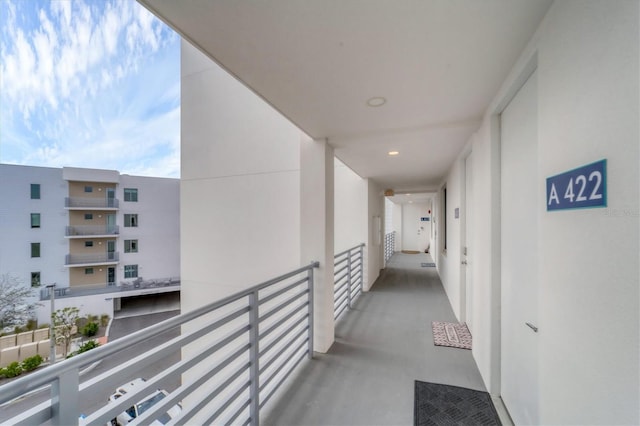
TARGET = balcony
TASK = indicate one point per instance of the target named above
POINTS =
(82, 231)
(160, 285)
(91, 259)
(79, 203)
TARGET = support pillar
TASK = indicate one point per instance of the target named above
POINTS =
(316, 233)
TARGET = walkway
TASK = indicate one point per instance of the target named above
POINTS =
(382, 345)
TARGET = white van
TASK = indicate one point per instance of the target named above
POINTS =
(142, 406)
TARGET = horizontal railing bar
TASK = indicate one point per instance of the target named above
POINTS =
(340, 310)
(342, 291)
(282, 290)
(242, 407)
(185, 389)
(282, 305)
(227, 403)
(265, 366)
(46, 375)
(340, 270)
(344, 275)
(266, 399)
(348, 250)
(338, 262)
(162, 350)
(282, 320)
(39, 414)
(275, 373)
(248, 422)
(275, 341)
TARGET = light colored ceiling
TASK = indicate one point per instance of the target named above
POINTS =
(438, 63)
(412, 197)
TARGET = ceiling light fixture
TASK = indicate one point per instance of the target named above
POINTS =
(393, 153)
(376, 101)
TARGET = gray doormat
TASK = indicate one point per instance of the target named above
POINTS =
(436, 405)
(428, 265)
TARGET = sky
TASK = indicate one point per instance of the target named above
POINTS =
(89, 83)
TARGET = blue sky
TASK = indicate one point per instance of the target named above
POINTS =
(89, 83)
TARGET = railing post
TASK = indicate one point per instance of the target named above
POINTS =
(254, 369)
(311, 302)
(64, 398)
(349, 278)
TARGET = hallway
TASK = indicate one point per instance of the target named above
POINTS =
(382, 345)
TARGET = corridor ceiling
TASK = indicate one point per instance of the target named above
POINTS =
(436, 64)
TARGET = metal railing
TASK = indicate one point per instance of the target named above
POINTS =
(91, 203)
(91, 289)
(93, 258)
(236, 353)
(91, 230)
(348, 278)
(389, 245)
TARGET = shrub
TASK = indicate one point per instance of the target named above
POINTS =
(104, 320)
(31, 363)
(32, 325)
(12, 370)
(92, 318)
(91, 344)
(91, 329)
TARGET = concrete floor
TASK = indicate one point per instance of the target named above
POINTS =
(382, 345)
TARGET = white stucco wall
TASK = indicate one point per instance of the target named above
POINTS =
(350, 221)
(586, 54)
(374, 250)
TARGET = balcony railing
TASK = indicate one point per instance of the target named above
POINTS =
(91, 203)
(348, 278)
(91, 230)
(88, 259)
(91, 289)
(389, 245)
(236, 353)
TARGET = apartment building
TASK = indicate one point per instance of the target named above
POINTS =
(93, 233)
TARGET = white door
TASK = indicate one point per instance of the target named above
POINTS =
(415, 232)
(522, 198)
(467, 251)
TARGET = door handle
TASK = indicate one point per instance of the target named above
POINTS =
(531, 326)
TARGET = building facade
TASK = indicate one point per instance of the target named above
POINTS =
(87, 231)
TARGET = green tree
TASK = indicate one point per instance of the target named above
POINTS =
(15, 306)
(64, 320)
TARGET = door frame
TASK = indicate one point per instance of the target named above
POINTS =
(465, 269)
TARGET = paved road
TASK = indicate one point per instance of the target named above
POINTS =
(90, 402)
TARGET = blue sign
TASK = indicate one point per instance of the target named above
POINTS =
(584, 187)
(424, 219)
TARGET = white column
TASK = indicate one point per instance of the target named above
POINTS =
(316, 232)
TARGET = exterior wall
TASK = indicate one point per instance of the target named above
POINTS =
(76, 218)
(158, 230)
(586, 55)
(374, 249)
(397, 225)
(77, 276)
(350, 222)
(15, 225)
(99, 189)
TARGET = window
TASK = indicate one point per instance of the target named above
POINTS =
(35, 191)
(130, 246)
(88, 243)
(131, 194)
(35, 279)
(131, 220)
(35, 249)
(88, 216)
(131, 271)
(88, 271)
(88, 188)
(35, 220)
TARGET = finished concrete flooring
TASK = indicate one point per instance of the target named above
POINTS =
(382, 345)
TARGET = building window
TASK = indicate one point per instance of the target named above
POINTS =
(35, 220)
(88, 188)
(88, 271)
(88, 216)
(131, 271)
(88, 243)
(35, 279)
(131, 194)
(130, 246)
(130, 220)
(35, 191)
(35, 249)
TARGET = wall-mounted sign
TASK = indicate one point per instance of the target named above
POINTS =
(424, 219)
(456, 212)
(584, 187)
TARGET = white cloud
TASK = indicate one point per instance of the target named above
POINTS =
(89, 84)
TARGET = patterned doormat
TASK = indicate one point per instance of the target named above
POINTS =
(451, 334)
(410, 251)
(435, 404)
(428, 265)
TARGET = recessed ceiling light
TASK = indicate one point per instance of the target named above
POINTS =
(408, 195)
(392, 153)
(410, 202)
(376, 101)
